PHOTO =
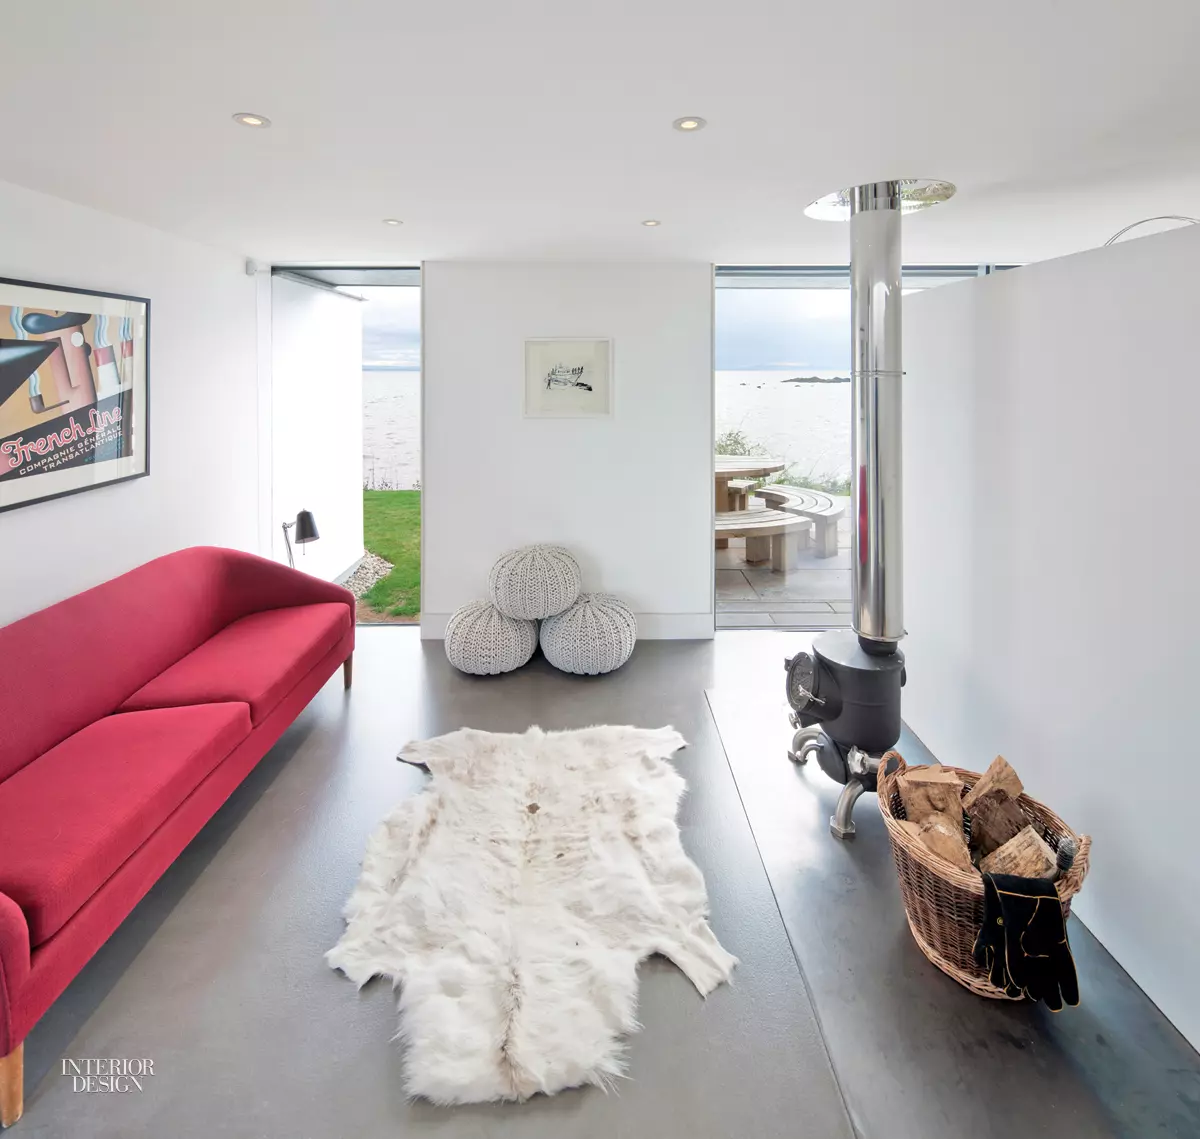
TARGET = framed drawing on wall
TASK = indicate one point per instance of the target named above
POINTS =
(568, 378)
(74, 391)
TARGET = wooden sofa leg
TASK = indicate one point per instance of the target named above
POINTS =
(348, 670)
(12, 1085)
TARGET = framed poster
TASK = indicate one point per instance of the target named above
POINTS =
(74, 391)
(568, 378)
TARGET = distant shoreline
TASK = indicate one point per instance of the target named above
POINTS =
(389, 368)
(817, 380)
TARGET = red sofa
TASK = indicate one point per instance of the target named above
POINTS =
(128, 714)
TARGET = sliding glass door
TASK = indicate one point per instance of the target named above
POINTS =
(783, 404)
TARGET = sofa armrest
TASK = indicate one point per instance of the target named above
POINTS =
(257, 583)
(14, 967)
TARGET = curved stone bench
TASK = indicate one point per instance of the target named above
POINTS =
(770, 534)
(738, 489)
(815, 505)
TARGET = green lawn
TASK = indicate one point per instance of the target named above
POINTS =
(392, 529)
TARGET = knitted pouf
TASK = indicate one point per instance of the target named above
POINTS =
(534, 582)
(482, 640)
(595, 635)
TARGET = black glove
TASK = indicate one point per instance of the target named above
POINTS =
(991, 948)
(1023, 940)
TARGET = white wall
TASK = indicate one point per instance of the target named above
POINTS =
(316, 401)
(203, 482)
(1052, 476)
(632, 496)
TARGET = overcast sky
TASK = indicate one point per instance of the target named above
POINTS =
(391, 327)
(800, 330)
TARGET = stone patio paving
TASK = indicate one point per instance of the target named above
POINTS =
(815, 595)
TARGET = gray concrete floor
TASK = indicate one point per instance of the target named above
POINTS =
(813, 595)
(834, 1026)
(218, 975)
(915, 1053)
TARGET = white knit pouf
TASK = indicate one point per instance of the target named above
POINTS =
(596, 634)
(534, 582)
(482, 640)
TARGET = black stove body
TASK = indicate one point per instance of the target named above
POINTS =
(846, 710)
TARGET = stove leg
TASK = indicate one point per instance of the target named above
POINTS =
(842, 822)
(804, 741)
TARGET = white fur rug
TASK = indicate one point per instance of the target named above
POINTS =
(512, 899)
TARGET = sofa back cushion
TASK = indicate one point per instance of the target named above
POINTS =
(68, 665)
(256, 660)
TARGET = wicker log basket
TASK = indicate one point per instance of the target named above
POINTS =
(944, 904)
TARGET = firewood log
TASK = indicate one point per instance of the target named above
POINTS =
(939, 835)
(999, 775)
(943, 835)
(933, 790)
(1026, 856)
(995, 818)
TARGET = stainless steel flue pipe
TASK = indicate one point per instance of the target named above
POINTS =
(876, 386)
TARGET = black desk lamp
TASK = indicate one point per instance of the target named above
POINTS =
(306, 531)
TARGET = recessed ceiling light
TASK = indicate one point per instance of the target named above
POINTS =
(690, 123)
(651, 222)
(392, 221)
(249, 119)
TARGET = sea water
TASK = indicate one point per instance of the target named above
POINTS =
(807, 425)
(391, 429)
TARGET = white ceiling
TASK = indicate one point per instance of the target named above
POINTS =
(518, 129)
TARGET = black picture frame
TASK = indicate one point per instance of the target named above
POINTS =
(138, 389)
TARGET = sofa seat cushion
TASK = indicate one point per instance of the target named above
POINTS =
(76, 813)
(258, 659)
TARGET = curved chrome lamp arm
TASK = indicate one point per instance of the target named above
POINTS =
(1161, 217)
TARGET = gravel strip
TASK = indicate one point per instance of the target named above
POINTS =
(371, 569)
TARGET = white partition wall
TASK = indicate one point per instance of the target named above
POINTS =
(203, 402)
(317, 417)
(1052, 476)
(632, 494)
